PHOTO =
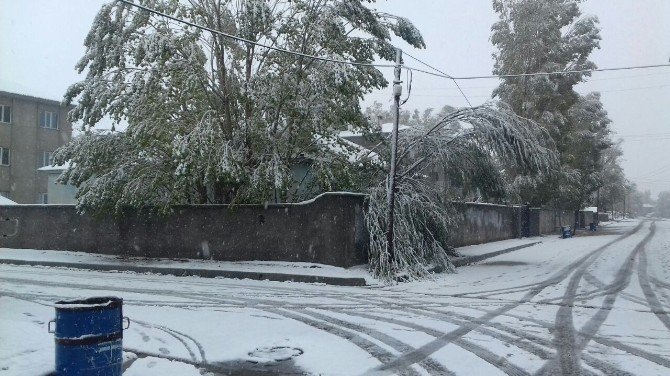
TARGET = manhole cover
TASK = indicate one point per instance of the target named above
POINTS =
(273, 354)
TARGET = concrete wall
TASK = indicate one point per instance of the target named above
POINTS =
(482, 223)
(328, 230)
(547, 221)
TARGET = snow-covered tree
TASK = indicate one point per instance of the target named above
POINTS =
(613, 183)
(547, 36)
(211, 119)
(478, 140)
(663, 204)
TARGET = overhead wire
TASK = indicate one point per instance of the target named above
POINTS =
(437, 70)
(245, 40)
(633, 67)
(598, 91)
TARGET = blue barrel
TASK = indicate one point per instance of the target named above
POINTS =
(89, 334)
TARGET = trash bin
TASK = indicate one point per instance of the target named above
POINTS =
(566, 231)
(88, 335)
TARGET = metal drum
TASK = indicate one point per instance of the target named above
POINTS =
(89, 334)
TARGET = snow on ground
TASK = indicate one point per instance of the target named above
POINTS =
(480, 249)
(598, 302)
(6, 201)
(262, 267)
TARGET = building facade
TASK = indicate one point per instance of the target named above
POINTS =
(31, 129)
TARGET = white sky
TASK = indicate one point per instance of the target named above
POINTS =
(41, 41)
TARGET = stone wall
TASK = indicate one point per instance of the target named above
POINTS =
(327, 230)
(549, 221)
(483, 223)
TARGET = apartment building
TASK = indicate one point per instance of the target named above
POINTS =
(31, 129)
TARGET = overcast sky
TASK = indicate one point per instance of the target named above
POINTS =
(41, 41)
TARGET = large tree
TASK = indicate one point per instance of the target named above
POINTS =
(548, 36)
(211, 119)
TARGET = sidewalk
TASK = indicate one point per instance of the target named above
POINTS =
(257, 270)
(479, 252)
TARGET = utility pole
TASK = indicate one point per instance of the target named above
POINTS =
(598, 207)
(390, 193)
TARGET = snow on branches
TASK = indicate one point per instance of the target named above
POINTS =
(212, 119)
(484, 137)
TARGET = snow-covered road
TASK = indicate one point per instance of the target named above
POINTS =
(596, 304)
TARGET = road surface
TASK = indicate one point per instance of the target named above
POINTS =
(593, 305)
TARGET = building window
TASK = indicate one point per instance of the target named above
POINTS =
(5, 114)
(49, 120)
(4, 157)
(42, 198)
(46, 159)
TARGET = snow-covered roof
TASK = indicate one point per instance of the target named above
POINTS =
(385, 128)
(62, 167)
(648, 206)
(591, 209)
(358, 154)
(6, 201)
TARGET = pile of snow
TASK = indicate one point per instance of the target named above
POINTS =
(385, 128)
(62, 167)
(6, 201)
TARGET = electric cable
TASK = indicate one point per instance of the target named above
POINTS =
(240, 39)
(437, 70)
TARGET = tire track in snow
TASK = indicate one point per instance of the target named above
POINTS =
(171, 334)
(522, 339)
(569, 347)
(652, 300)
(500, 291)
(426, 350)
(370, 347)
(495, 360)
(518, 337)
(601, 287)
(654, 358)
(430, 365)
(660, 283)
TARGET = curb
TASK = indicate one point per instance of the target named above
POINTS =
(467, 260)
(204, 273)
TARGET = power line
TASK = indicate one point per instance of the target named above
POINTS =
(369, 64)
(591, 80)
(563, 72)
(555, 73)
(240, 39)
(488, 96)
(644, 134)
(437, 70)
